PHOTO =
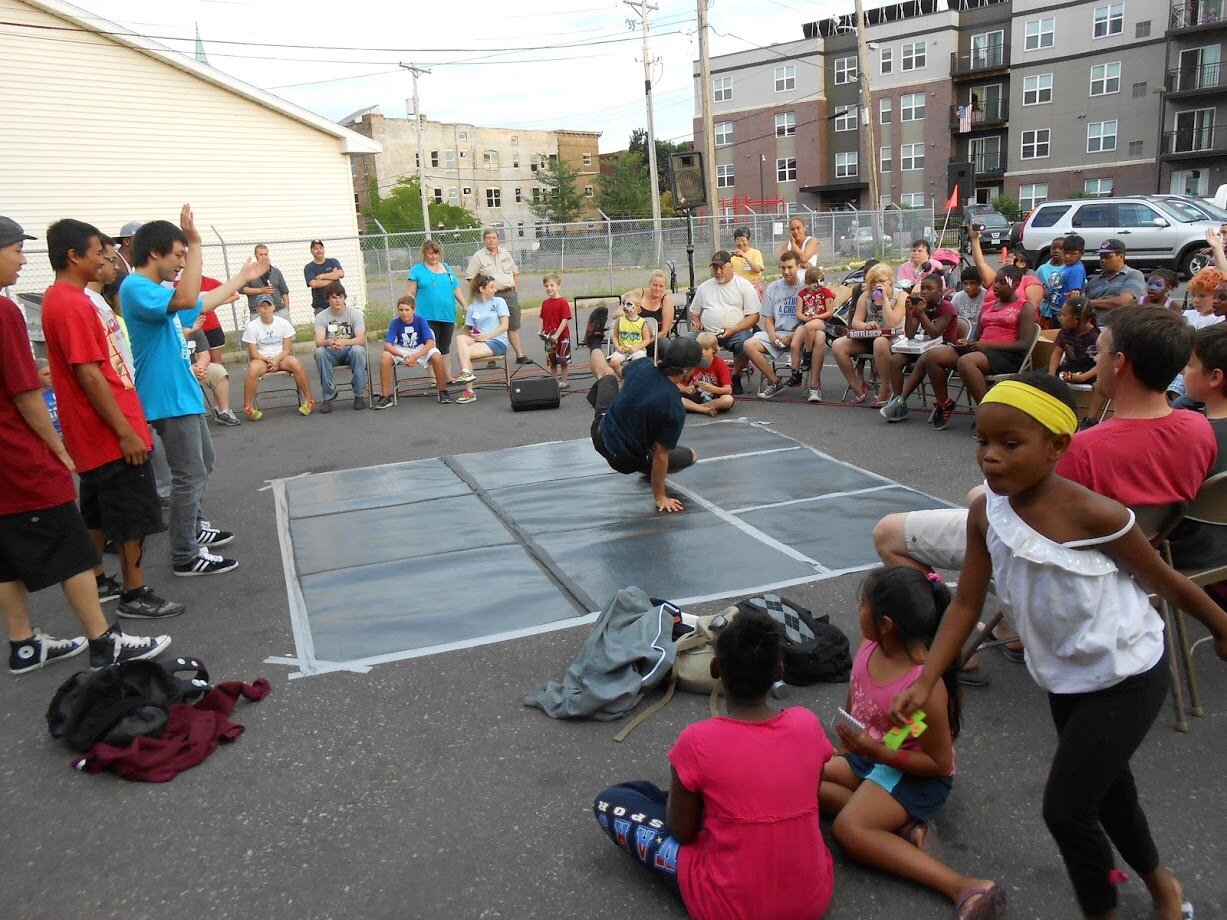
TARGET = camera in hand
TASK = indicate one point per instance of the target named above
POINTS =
(979, 228)
(915, 298)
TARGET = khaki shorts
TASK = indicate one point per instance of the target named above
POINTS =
(214, 374)
(937, 538)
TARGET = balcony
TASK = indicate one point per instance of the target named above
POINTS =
(1193, 81)
(981, 61)
(1197, 15)
(988, 164)
(982, 118)
(1198, 142)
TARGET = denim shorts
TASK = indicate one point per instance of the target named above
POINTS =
(496, 347)
(922, 797)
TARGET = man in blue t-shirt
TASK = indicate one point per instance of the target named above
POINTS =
(156, 315)
(319, 273)
(410, 341)
(638, 428)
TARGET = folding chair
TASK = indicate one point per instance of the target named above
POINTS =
(408, 387)
(277, 396)
(990, 379)
(492, 364)
(347, 382)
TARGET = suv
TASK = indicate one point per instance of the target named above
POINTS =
(995, 232)
(860, 238)
(1159, 230)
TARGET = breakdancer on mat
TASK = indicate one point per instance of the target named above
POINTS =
(637, 429)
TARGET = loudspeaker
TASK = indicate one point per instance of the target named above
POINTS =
(686, 180)
(535, 393)
(960, 174)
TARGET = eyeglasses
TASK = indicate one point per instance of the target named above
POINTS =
(1095, 351)
(111, 259)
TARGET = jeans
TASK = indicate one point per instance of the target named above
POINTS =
(633, 815)
(328, 358)
(161, 469)
(189, 451)
(734, 343)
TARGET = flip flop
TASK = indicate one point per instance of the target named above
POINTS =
(986, 903)
(916, 833)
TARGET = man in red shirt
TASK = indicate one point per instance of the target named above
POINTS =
(42, 537)
(101, 415)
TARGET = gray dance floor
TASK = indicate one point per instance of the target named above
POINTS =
(391, 562)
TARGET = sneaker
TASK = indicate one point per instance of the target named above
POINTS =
(807, 361)
(939, 418)
(737, 389)
(148, 606)
(382, 402)
(594, 333)
(444, 396)
(253, 413)
(39, 650)
(467, 396)
(211, 536)
(772, 390)
(306, 407)
(326, 406)
(975, 432)
(204, 564)
(492, 364)
(564, 385)
(115, 647)
(523, 359)
(359, 403)
(814, 395)
(108, 588)
(795, 379)
(227, 418)
(464, 377)
(896, 410)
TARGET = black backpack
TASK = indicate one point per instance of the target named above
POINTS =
(122, 702)
(814, 650)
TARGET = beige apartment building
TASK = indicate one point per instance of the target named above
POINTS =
(490, 171)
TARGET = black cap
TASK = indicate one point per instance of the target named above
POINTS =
(721, 257)
(680, 354)
(1113, 245)
(12, 232)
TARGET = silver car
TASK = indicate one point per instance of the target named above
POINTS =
(1158, 230)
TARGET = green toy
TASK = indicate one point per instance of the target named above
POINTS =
(915, 728)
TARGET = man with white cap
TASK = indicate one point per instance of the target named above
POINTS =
(125, 235)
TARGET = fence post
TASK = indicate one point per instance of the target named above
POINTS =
(387, 262)
(234, 316)
(609, 238)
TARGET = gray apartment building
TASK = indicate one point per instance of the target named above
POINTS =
(1036, 99)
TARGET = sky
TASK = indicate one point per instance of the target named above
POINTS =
(581, 67)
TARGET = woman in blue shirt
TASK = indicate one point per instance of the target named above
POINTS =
(436, 290)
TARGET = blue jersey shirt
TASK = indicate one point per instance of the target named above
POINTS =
(409, 335)
(164, 379)
(648, 410)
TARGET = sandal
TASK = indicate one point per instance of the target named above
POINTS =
(879, 403)
(860, 397)
(916, 833)
(983, 902)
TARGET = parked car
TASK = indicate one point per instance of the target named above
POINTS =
(859, 239)
(995, 231)
(1158, 230)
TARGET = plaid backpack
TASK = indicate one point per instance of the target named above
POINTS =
(814, 650)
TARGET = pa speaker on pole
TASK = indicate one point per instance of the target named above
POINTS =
(686, 180)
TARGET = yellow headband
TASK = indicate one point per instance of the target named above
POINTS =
(1043, 407)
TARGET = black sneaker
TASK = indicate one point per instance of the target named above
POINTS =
(211, 536)
(444, 396)
(795, 379)
(737, 388)
(594, 334)
(359, 402)
(524, 359)
(115, 647)
(148, 606)
(939, 418)
(807, 359)
(326, 406)
(204, 564)
(108, 588)
(39, 651)
(382, 402)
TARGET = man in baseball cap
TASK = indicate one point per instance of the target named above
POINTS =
(1115, 285)
(126, 233)
(11, 232)
(727, 306)
(637, 429)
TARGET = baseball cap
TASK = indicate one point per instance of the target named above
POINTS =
(682, 353)
(264, 298)
(316, 243)
(721, 257)
(12, 232)
(130, 228)
(1112, 245)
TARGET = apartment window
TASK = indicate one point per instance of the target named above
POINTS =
(885, 110)
(515, 159)
(489, 159)
(1039, 34)
(1108, 20)
(1035, 144)
(722, 89)
(786, 78)
(519, 195)
(911, 106)
(463, 135)
(846, 117)
(1100, 188)
(724, 133)
(589, 191)
(785, 124)
(911, 156)
(453, 195)
(520, 229)
(466, 192)
(437, 195)
(514, 141)
(724, 175)
(1140, 90)
(1101, 136)
(534, 162)
(449, 159)
(1135, 148)
(1032, 195)
(1037, 89)
(1142, 29)
(845, 70)
(587, 159)
(464, 154)
(536, 196)
(1105, 79)
(912, 56)
(912, 200)
(494, 198)
(886, 58)
(884, 160)
(786, 169)
(434, 158)
(846, 165)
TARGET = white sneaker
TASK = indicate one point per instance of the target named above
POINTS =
(814, 395)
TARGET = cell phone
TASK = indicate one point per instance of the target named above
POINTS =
(979, 228)
(843, 717)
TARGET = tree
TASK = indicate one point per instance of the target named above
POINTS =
(625, 190)
(400, 211)
(560, 202)
(639, 145)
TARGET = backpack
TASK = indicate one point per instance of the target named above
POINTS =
(122, 702)
(814, 650)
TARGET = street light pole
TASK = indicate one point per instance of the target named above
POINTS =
(709, 131)
(862, 67)
(417, 115)
(642, 9)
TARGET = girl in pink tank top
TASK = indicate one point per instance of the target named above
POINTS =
(881, 798)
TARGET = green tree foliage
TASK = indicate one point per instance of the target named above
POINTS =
(625, 190)
(560, 201)
(400, 211)
(639, 145)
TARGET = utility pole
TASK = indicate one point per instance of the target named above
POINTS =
(709, 130)
(862, 69)
(642, 9)
(417, 115)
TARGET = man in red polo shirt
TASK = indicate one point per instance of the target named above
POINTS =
(43, 539)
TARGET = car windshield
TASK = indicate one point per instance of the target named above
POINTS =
(989, 219)
(1188, 212)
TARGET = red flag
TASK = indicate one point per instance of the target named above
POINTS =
(954, 200)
